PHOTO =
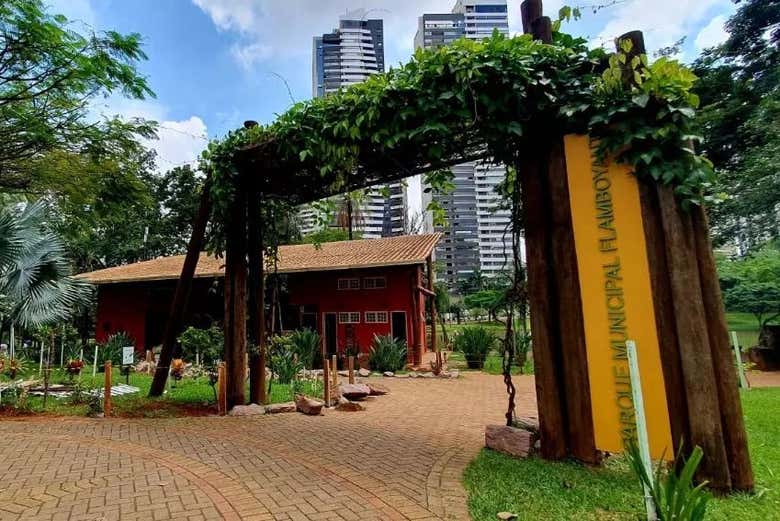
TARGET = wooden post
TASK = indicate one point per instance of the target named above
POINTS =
(107, 390)
(429, 265)
(351, 368)
(235, 297)
(221, 389)
(183, 286)
(732, 419)
(335, 372)
(326, 381)
(700, 387)
(256, 300)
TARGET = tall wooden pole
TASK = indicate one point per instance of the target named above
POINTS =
(176, 316)
(256, 301)
(429, 265)
(235, 296)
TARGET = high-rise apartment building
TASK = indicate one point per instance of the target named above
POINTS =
(477, 235)
(346, 56)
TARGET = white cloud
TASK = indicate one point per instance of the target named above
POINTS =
(284, 30)
(712, 34)
(663, 22)
(179, 141)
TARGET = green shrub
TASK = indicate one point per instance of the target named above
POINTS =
(475, 343)
(673, 493)
(207, 343)
(284, 361)
(111, 349)
(387, 354)
(307, 345)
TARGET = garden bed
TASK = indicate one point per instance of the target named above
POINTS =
(188, 397)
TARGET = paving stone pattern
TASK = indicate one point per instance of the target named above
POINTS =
(402, 458)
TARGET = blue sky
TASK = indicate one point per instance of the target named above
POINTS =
(215, 63)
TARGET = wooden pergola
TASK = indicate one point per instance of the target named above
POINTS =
(704, 404)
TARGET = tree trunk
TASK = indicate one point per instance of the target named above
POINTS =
(175, 321)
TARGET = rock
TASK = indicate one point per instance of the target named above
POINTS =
(277, 408)
(344, 373)
(378, 389)
(412, 375)
(389, 374)
(509, 440)
(347, 406)
(454, 373)
(528, 423)
(506, 516)
(354, 391)
(426, 375)
(247, 410)
(308, 405)
(364, 372)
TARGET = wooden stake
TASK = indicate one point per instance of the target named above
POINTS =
(107, 390)
(326, 381)
(221, 389)
(335, 372)
(743, 383)
(351, 368)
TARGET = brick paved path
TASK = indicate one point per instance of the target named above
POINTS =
(401, 459)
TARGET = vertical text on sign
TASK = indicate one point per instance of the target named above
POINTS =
(617, 298)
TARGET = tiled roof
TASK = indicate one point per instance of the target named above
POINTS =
(364, 253)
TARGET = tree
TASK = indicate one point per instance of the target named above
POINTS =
(50, 75)
(740, 122)
(35, 286)
(349, 211)
(327, 235)
(752, 284)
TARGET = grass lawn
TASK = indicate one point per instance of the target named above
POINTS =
(537, 489)
(189, 397)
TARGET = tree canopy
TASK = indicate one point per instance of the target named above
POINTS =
(752, 284)
(50, 75)
(740, 122)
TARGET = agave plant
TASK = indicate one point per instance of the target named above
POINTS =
(674, 494)
(35, 283)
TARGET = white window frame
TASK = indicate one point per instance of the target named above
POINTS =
(351, 284)
(376, 317)
(374, 279)
(348, 317)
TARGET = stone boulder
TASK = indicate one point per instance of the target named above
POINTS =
(277, 408)
(378, 389)
(389, 374)
(345, 405)
(364, 372)
(308, 405)
(509, 440)
(247, 410)
(354, 391)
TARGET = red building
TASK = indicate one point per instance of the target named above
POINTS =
(348, 291)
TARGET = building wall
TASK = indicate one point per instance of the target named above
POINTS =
(141, 309)
(122, 307)
(476, 235)
(344, 57)
(320, 291)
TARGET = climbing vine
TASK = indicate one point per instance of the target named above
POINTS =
(471, 100)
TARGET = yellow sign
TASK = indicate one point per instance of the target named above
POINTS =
(617, 298)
